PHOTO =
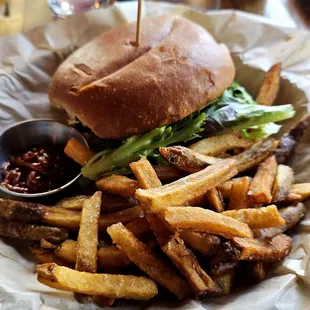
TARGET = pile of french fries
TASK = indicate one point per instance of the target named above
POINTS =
(219, 213)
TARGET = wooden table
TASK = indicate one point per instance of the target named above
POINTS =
(291, 12)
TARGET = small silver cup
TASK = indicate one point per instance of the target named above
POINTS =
(25, 135)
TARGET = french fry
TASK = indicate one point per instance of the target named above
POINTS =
(186, 159)
(215, 200)
(292, 215)
(262, 183)
(86, 254)
(174, 247)
(200, 283)
(238, 198)
(257, 271)
(138, 226)
(60, 217)
(108, 285)
(290, 139)
(86, 258)
(145, 173)
(206, 244)
(47, 245)
(224, 283)
(188, 190)
(72, 203)
(225, 187)
(42, 256)
(79, 152)
(109, 203)
(160, 228)
(283, 183)
(160, 271)
(270, 88)
(301, 189)
(147, 178)
(258, 218)
(216, 145)
(203, 220)
(266, 251)
(225, 260)
(108, 256)
(102, 301)
(168, 173)
(291, 197)
(26, 231)
(118, 184)
(255, 154)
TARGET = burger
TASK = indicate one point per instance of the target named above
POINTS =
(177, 85)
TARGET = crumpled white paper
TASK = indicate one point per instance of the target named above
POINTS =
(27, 62)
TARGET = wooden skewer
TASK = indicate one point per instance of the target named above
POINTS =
(138, 30)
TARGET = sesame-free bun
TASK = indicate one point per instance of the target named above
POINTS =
(119, 90)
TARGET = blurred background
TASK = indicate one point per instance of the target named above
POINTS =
(22, 15)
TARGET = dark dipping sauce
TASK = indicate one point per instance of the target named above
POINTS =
(38, 170)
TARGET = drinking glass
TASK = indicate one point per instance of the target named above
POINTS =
(63, 8)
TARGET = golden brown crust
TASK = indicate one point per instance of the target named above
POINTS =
(118, 90)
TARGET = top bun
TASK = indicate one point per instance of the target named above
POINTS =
(119, 90)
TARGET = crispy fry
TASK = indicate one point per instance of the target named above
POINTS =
(225, 187)
(138, 226)
(102, 301)
(215, 200)
(86, 258)
(225, 260)
(79, 152)
(258, 218)
(145, 173)
(292, 197)
(216, 145)
(43, 256)
(208, 221)
(21, 230)
(206, 244)
(117, 184)
(108, 285)
(160, 228)
(255, 154)
(147, 261)
(148, 179)
(302, 189)
(224, 283)
(168, 173)
(109, 203)
(60, 217)
(108, 257)
(114, 203)
(262, 183)
(292, 215)
(186, 159)
(75, 202)
(173, 246)
(265, 251)
(238, 198)
(188, 190)
(270, 88)
(86, 254)
(200, 283)
(47, 245)
(257, 271)
(290, 140)
(283, 183)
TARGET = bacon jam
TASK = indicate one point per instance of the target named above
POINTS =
(38, 170)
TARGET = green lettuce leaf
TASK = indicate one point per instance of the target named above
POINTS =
(234, 110)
